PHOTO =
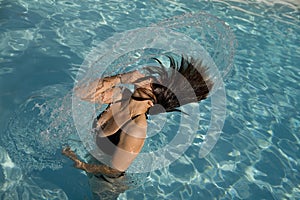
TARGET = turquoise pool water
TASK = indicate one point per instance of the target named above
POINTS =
(43, 44)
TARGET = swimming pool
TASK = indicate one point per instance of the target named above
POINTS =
(43, 43)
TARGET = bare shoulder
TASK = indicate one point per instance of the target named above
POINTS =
(141, 120)
(136, 128)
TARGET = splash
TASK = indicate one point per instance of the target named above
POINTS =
(14, 185)
(197, 35)
(39, 128)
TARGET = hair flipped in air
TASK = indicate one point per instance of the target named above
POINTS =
(179, 84)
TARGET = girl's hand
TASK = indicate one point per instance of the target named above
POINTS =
(95, 91)
(103, 90)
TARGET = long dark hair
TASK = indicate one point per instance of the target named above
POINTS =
(179, 84)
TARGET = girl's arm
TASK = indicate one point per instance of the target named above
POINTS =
(103, 90)
(91, 168)
(131, 142)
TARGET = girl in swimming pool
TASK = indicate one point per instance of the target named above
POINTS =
(121, 128)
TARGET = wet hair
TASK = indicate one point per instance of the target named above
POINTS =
(179, 84)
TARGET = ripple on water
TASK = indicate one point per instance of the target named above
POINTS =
(184, 171)
(271, 166)
(14, 185)
(262, 96)
(291, 148)
(6, 70)
(283, 132)
(36, 133)
(17, 41)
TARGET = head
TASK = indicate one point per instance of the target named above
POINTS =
(179, 84)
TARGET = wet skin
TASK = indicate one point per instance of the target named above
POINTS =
(125, 115)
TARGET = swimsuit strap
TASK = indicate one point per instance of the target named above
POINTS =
(110, 178)
(132, 118)
(141, 98)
